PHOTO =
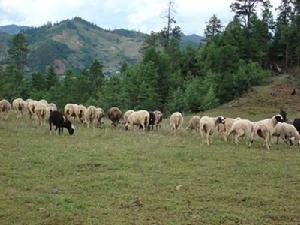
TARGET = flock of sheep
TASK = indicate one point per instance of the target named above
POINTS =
(43, 112)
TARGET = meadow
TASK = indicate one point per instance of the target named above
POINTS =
(110, 176)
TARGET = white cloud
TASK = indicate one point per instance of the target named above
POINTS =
(143, 15)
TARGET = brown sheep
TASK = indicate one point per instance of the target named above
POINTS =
(114, 114)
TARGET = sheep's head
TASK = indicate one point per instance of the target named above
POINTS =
(69, 126)
(277, 118)
(126, 126)
(220, 119)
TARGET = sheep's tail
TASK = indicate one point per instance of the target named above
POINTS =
(204, 127)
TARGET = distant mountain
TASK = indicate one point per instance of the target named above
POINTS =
(12, 29)
(76, 43)
(193, 40)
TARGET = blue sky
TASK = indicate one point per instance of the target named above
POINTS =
(140, 15)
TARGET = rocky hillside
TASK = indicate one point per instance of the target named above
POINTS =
(75, 44)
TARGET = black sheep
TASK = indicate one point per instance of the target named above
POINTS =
(60, 121)
(296, 124)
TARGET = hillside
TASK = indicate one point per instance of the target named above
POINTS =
(75, 44)
(266, 99)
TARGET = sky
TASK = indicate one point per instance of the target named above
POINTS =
(139, 15)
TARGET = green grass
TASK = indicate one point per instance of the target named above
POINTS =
(110, 176)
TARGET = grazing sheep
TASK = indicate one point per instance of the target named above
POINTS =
(43, 101)
(99, 116)
(286, 132)
(241, 128)
(19, 105)
(152, 120)
(126, 115)
(208, 125)
(228, 122)
(60, 121)
(296, 124)
(41, 112)
(5, 106)
(194, 123)
(139, 118)
(176, 121)
(158, 118)
(90, 116)
(114, 114)
(71, 111)
(31, 104)
(80, 113)
(52, 107)
(265, 128)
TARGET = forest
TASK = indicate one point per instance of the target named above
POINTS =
(170, 77)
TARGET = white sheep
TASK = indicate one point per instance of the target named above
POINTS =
(31, 105)
(5, 106)
(208, 125)
(241, 128)
(126, 115)
(80, 113)
(19, 105)
(90, 116)
(158, 118)
(265, 128)
(176, 121)
(41, 112)
(99, 116)
(194, 123)
(139, 118)
(71, 111)
(286, 132)
(228, 122)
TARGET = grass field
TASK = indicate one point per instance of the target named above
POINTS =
(108, 176)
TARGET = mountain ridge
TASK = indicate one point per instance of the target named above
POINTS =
(76, 43)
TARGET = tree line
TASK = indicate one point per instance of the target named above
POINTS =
(171, 78)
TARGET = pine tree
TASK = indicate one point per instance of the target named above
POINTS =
(213, 27)
(267, 15)
(18, 51)
(245, 9)
(51, 78)
(96, 76)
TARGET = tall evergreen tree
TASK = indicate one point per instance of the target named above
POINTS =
(51, 78)
(18, 51)
(213, 27)
(245, 9)
(96, 76)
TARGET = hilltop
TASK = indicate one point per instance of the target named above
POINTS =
(266, 99)
(76, 43)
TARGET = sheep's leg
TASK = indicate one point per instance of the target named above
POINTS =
(225, 135)
(207, 138)
(267, 143)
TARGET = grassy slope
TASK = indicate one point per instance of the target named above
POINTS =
(264, 101)
(115, 177)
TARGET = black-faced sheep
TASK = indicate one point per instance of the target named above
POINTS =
(208, 125)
